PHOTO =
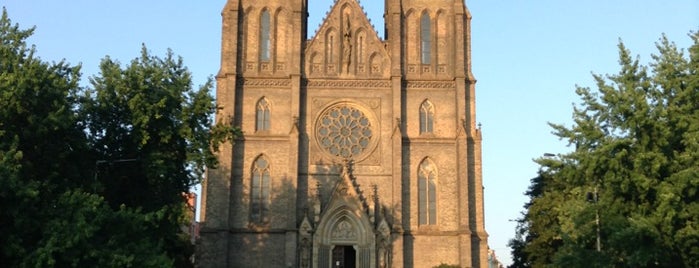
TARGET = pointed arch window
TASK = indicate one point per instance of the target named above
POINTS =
(427, 193)
(260, 191)
(426, 117)
(360, 49)
(263, 115)
(265, 36)
(425, 39)
(331, 49)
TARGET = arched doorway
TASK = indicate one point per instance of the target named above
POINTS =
(345, 239)
(344, 257)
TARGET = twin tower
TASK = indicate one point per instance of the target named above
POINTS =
(358, 151)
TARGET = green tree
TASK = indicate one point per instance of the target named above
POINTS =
(635, 167)
(151, 131)
(41, 144)
(95, 177)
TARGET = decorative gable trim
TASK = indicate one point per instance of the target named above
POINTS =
(346, 46)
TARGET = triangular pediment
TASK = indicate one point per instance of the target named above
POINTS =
(347, 193)
(346, 190)
(346, 45)
(346, 218)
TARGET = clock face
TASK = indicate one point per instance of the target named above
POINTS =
(344, 131)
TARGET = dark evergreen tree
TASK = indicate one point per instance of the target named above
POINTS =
(633, 178)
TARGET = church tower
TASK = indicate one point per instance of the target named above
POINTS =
(357, 151)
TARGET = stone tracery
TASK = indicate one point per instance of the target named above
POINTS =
(344, 131)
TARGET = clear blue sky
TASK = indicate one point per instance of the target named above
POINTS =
(527, 56)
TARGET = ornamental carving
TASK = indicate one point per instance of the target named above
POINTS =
(430, 84)
(264, 82)
(344, 231)
(350, 84)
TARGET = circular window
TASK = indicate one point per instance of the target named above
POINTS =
(344, 131)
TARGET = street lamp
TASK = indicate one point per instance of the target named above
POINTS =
(594, 198)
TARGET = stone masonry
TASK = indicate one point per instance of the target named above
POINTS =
(358, 151)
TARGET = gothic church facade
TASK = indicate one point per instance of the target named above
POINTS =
(358, 151)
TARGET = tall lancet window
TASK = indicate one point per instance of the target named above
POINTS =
(426, 117)
(265, 39)
(259, 191)
(427, 193)
(331, 49)
(360, 49)
(263, 115)
(425, 39)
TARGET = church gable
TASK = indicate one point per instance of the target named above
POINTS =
(346, 46)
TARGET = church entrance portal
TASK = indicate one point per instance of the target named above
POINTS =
(344, 257)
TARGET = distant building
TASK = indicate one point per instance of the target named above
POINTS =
(357, 151)
(192, 229)
(493, 261)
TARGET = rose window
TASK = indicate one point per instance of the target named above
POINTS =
(344, 131)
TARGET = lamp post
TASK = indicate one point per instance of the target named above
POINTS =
(599, 240)
(594, 198)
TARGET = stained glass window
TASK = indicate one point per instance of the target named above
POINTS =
(426, 117)
(263, 120)
(427, 193)
(265, 39)
(425, 38)
(260, 190)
